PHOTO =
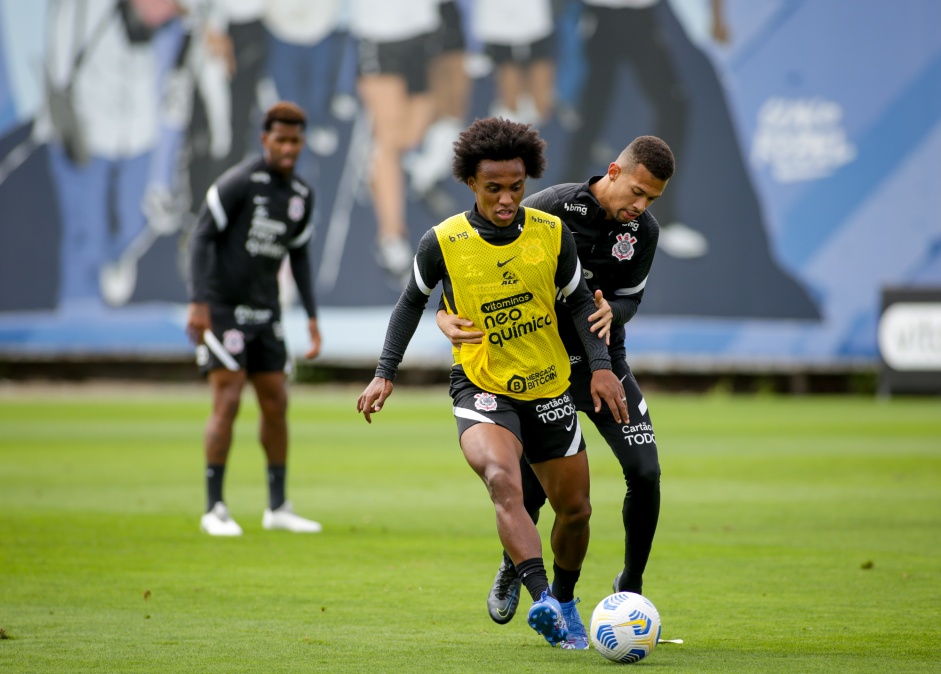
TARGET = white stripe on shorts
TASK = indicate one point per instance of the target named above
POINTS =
(471, 414)
(576, 440)
(219, 351)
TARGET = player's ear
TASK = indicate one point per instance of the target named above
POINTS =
(613, 171)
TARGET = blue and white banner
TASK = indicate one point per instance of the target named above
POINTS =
(807, 136)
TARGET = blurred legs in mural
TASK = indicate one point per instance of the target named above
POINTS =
(521, 47)
(606, 50)
(393, 87)
(449, 83)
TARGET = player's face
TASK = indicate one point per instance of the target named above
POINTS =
(282, 146)
(499, 187)
(630, 193)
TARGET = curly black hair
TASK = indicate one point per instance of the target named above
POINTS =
(652, 153)
(498, 139)
(285, 112)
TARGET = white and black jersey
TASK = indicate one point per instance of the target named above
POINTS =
(615, 257)
(252, 218)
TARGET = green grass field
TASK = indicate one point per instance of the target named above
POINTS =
(796, 534)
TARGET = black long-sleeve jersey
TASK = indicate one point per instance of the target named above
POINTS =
(252, 218)
(429, 269)
(615, 257)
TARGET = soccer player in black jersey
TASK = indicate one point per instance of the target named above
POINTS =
(503, 265)
(616, 238)
(255, 215)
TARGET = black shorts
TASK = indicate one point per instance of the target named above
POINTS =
(450, 36)
(243, 338)
(521, 54)
(407, 58)
(548, 428)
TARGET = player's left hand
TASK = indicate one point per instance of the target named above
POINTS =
(601, 320)
(606, 386)
(458, 330)
(314, 331)
(371, 400)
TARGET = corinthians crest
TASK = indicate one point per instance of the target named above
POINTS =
(486, 402)
(624, 248)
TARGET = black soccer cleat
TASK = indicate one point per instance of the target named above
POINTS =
(617, 585)
(504, 596)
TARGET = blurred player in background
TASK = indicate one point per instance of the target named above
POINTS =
(502, 265)
(616, 238)
(254, 216)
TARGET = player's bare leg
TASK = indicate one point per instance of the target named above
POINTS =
(566, 483)
(494, 453)
(226, 388)
(572, 506)
(271, 390)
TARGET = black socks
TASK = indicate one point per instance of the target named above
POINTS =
(563, 584)
(533, 574)
(214, 476)
(276, 486)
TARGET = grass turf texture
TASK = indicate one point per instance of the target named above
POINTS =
(796, 534)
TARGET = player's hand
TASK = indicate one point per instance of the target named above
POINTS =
(607, 387)
(197, 321)
(600, 321)
(371, 400)
(458, 330)
(314, 331)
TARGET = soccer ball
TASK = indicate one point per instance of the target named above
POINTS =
(625, 627)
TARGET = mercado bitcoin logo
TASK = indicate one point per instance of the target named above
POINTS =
(516, 384)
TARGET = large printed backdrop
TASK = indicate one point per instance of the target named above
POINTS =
(807, 166)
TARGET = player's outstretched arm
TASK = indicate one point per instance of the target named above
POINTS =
(371, 400)
(458, 330)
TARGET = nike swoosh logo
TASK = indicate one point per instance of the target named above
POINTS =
(504, 612)
(500, 264)
(569, 427)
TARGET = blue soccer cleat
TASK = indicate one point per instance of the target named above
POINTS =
(546, 617)
(577, 639)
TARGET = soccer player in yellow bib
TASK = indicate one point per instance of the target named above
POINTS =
(502, 265)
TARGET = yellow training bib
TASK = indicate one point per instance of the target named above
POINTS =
(509, 293)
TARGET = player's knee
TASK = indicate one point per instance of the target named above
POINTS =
(575, 515)
(503, 486)
(226, 407)
(644, 477)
